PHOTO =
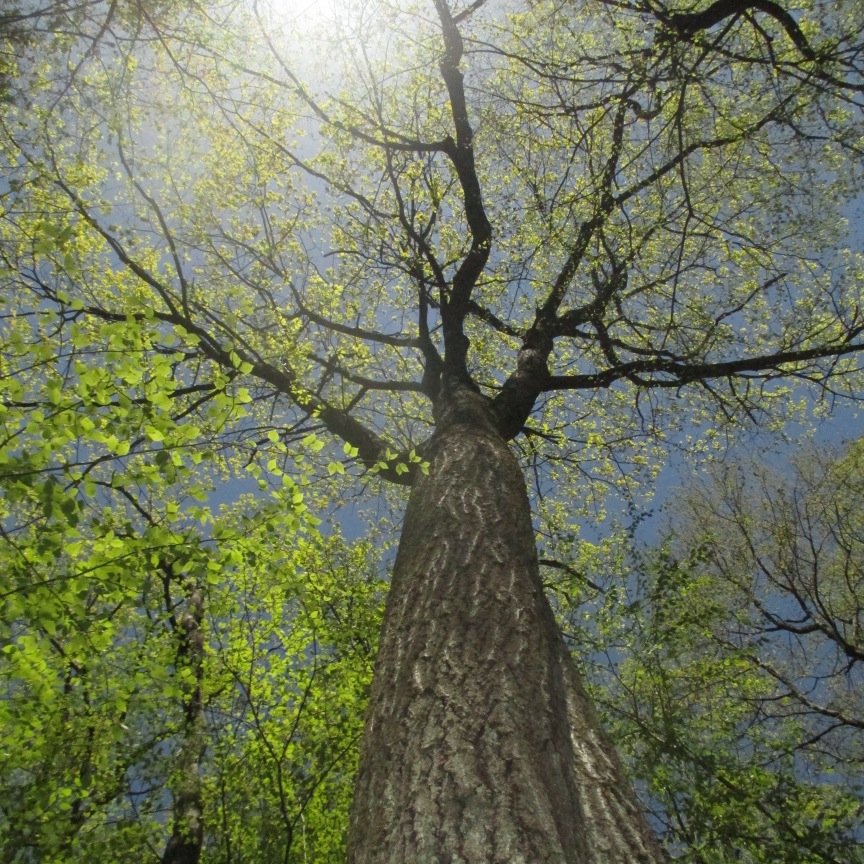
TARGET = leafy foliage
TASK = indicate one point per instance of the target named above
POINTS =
(740, 695)
(99, 684)
(118, 562)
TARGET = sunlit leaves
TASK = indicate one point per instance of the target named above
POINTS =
(110, 456)
(90, 657)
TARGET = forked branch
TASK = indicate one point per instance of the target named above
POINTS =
(689, 23)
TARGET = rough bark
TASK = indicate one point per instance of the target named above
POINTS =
(480, 743)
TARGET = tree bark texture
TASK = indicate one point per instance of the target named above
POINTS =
(480, 742)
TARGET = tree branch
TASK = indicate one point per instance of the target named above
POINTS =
(356, 332)
(461, 153)
(674, 373)
(688, 23)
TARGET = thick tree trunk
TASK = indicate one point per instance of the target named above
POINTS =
(480, 744)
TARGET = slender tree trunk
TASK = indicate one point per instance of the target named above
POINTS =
(480, 743)
(185, 844)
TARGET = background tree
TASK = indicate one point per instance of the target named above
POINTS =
(173, 675)
(578, 226)
(740, 698)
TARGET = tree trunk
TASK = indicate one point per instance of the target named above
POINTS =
(480, 744)
(186, 842)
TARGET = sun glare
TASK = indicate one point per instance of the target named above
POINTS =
(302, 14)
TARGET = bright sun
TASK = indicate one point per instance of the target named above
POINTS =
(301, 13)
